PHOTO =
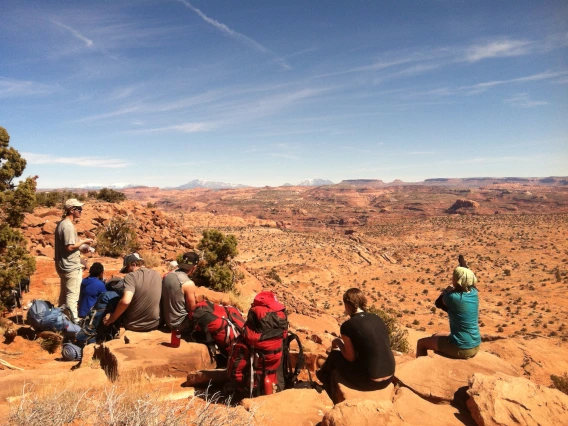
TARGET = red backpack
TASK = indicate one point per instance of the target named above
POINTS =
(217, 326)
(255, 363)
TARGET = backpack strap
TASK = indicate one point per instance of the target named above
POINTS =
(231, 319)
(291, 375)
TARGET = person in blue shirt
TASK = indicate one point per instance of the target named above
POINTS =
(461, 302)
(91, 288)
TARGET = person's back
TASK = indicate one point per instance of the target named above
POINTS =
(463, 313)
(91, 289)
(370, 339)
(143, 312)
(174, 308)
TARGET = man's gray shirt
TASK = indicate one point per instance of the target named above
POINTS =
(66, 234)
(173, 299)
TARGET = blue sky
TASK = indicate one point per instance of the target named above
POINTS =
(260, 93)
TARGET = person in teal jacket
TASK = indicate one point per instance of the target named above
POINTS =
(461, 302)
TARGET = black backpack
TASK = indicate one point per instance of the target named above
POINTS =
(291, 372)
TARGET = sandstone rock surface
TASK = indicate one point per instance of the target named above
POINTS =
(359, 412)
(438, 378)
(415, 411)
(342, 390)
(150, 352)
(290, 407)
(501, 399)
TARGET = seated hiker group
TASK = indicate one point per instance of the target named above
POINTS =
(256, 350)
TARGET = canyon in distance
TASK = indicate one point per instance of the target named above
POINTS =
(397, 242)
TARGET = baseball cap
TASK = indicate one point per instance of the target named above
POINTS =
(128, 259)
(73, 202)
(191, 258)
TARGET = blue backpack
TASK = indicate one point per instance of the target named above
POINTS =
(43, 316)
(92, 327)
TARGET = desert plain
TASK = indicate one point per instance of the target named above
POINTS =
(399, 243)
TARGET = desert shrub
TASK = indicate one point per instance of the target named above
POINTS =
(560, 382)
(218, 276)
(151, 259)
(274, 275)
(118, 237)
(110, 195)
(15, 200)
(119, 406)
(56, 198)
(397, 336)
(216, 270)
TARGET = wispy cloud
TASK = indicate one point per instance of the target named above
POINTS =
(88, 42)
(481, 87)
(112, 114)
(283, 155)
(234, 34)
(498, 49)
(183, 128)
(523, 100)
(14, 88)
(99, 162)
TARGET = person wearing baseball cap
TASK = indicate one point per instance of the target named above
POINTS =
(139, 307)
(67, 257)
(178, 293)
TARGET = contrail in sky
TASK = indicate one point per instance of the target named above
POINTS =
(233, 34)
(88, 42)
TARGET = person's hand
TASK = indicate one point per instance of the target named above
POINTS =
(106, 320)
(88, 241)
(336, 343)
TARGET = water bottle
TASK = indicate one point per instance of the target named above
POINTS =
(268, 386)
(175, 338)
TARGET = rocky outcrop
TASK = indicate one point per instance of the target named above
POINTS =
(155, 231)
(462, 204)
(415, 411)
(290, 407)
(150, 352)
(360, 412)
(437, 378)
(342, 390)
(501, 399)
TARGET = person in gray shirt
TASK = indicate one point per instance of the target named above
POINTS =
(140, 302)
(67, 257)
(178, 294)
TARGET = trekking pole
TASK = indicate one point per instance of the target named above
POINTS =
(251, 384)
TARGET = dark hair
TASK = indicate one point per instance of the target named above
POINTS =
(96, 269)
(355, 298)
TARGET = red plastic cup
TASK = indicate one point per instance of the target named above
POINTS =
(175, 339)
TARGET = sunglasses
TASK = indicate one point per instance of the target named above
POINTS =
(79, 209)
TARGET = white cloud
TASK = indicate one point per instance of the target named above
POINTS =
(183, 127)
(523, 100)
(99, 162)
(13, 88)
(498, 49)
(88, 42)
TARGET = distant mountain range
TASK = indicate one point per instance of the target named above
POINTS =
(312, 182)
(202, 183)
(371, 183)
(97, 186)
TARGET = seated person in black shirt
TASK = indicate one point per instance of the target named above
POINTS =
(362, 355)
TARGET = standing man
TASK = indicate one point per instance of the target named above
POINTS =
(140, 302)
(67, 258)
(178, 293)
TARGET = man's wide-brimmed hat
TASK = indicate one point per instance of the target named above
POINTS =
(73, 202)
(128, 259)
